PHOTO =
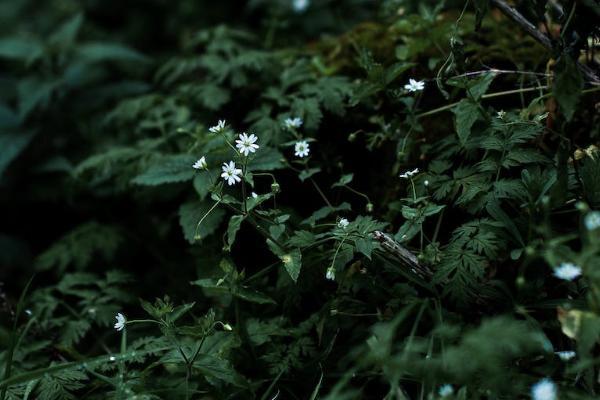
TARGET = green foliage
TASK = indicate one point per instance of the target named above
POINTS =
(422, 179)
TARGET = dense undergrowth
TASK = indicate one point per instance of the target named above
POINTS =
(299, 200)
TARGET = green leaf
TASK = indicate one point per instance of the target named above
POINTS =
(307, 173)
(169, 169)
(104, 51)
(467, 112)
(20, 48)
(344, 180)
(12, 144)
(567, 85)
(232, 229)
(365, 246)
(190, 215)
(292, 260)
(266, 159)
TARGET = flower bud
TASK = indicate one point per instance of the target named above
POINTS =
(275, 188)
(369, 207)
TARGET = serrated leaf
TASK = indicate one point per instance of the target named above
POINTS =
(232, 229)
(190, 215)
(169, 169)
(466, 112)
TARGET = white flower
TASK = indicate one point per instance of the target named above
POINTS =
(247, 144)
(219, 127)
(414, 85)
(227, 327)
(200, 164)
(500, 114)
(231, 174)
(120, 324)
(301, 149)
(330, 274)
(293, 122)
(254, 195)
(592, 220)
(343, 223)
(566, 355)
(446, 390)
(544, 390)
(300, 5)
(408, 174)
(426, 182)
(567, 271)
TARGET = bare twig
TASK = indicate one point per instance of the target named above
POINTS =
(407, 258)
(539, 36)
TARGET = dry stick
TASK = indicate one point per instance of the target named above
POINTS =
(539, 36)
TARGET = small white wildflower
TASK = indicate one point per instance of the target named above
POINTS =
(446, 390)
(592, 220)
(566, 355)
(501, 114)
(219, 127)
(300, 5)
(426, 182)
(414, 85)
(567, 271)
(231, 174)
(409, 174)
(343, 223)
(246, 144)
(254, 195)
(120, 324)
(29, 312)
(544, 390)
(112, 358)
(301, 149)
(293, 122)
(227, 327)
(200, 164)
(330, 274)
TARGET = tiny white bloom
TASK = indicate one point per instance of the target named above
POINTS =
(227, 327)
(301, 149)
(566, 355)
(544, 390)
(112, 358)
(446, 390)
(29, 312)
(414, 85)
(200, 164)
(246, 144)
(293, 122)
(426, 182)
(501, 114)
(231, 174)
(592, 220)
(300, 5)
(254, 195)
(120, 324)
(409, 174)
(567, 271)
(330, 274)
(343, 223)
(219, 127)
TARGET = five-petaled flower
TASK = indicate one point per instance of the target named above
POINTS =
(446, 390)
(293, 122)
(414, 85)
(567, 271)
(219, 127)
(200, 164)
(544, 390)
(409, 174)
(301, 149)
(343, 223)
(121, 321)
(231, 174)
(501, 114)
(246, 144)
(592, 220)
(300, 5)
(330, 274)
(566, 355)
